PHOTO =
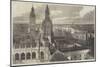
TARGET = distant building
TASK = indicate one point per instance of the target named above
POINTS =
(80, 35)
(69, 48)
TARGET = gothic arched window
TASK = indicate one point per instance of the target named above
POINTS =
(41, 45)
(28, 45)
(33, 55)
(33, 43)
(16, 46)
(22, 56)
(42, 55)
(16, 56)
(28, 56)
(22, 45)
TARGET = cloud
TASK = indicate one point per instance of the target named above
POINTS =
(59, 13)
(86, 9)
(88, 18)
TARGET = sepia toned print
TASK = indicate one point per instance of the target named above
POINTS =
(45, 33)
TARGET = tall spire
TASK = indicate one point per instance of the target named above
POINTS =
(47, 24)
(47, 12)
(32, 18)
(32, 14)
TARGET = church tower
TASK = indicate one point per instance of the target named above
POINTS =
(47, 25)
(32, 22)
(46, 35)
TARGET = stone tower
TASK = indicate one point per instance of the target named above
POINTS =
(32, 23)
(47, 25)
(46, 35)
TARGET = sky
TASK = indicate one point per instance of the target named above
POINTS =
(59, 13)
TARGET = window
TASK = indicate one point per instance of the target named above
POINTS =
(28, 45)
(33, 43)
(28, 36)
(41, 44)
(16, 46)
(22, 45)
(33, 55)
(42, 55)
(28, 56)
(16, 56)
(22, 56)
